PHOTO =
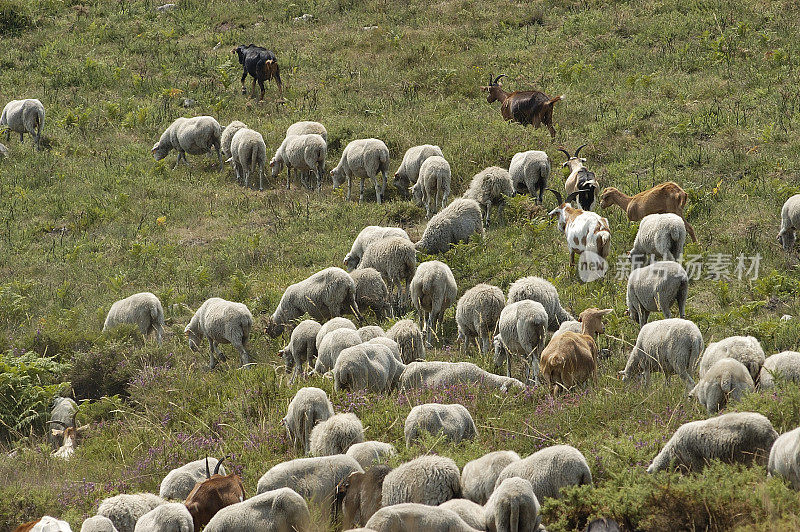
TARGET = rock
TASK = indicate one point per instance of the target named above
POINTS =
(166, 7)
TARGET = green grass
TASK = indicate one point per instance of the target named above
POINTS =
(702, 93)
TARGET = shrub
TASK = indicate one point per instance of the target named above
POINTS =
(95, 374)
(14, 18)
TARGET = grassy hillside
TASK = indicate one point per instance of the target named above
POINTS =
(702, 93)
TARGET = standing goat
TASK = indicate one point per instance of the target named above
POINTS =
(585, 230)
(580, 179)
(525, 107)
(213, 494)
(261, 64)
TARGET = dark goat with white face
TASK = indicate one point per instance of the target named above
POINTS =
(581, 183)
(261, 64)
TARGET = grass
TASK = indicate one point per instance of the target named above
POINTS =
(702, 93)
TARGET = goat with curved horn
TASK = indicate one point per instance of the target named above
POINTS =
(208, 471)
(558, 196)
(216, 467)
(498, 79)
(565, 152)
(579, 149)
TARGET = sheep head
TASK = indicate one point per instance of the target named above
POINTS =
(337, 176)
(194, 338)
(787, 239)
(276, 164)
(272, 328)
(159, 151)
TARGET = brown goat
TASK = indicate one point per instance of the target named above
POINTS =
(212, 495)
(525, 107)
(25, 527)
(360, 495)
(667, 197)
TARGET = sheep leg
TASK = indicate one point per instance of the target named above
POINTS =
(644, 315)
(361, 193)
(377, 192)
(245, 358)
(178, 160)
(246, 174)
(288, 177)
(383, 190)
(212, 362)
(663, 305)
(349, 187)
(159, 334)
(20, 138)
(260, 178)
(488, 211)
(485, 345)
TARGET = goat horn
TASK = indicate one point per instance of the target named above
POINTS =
(565, 152)
(573, 195)
(208, 471)
(216, 467)
(557, 194)
(579, 149)
(498, 79)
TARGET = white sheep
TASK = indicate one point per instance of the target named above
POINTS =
(671, 347)
(195, 136)
(409, 338)
(408, 171)
(659, 235)
(433, 185)
(393, 346)
(428, 479)
(433, 290)
(124, 510)
(513, 506)
(784, 457)
(727, 380)
(529, 171)
(332, 346)
(180, 481)
(170, 517)
(454, 224)
(784, 365)
(416, 517)
(368, 453)
(522, 332)
(98, 523)
(472, 513)
(143, 310)
(308, 407)
(443, 374)
(656, 287)
(301, 349)
(369, 366)
(301, 153)
(478, 477)
(227, 136)
(248, 155)
(745, 349)
(372, 292)
(542, 291)
(331, 325)
(222, 322)
(368, 235)
(477, 313)
(549, 470)
(3, 151)
(370, 332)
(23, 116)
(739, 437)
(568, 326)
(307, 127)
(336, 434)
(790, 222)
(280, 510)
(453, 421)
(396, 260)
(491, 187)
(362, 158)
(47, 524)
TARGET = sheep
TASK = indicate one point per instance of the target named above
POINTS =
(542, 291)
(170, 517)
(727, 380)
(472, 513)
(331, 347)
(529, 171)
(786, 365)
(442, 374)
(745, 349)
(227, 137)
(477, 313)
(370, 332)
(393, 346)
(433, 290)
(584, 230)
(98, 523)
(408, 172)
(180, 482)
(416, 517)
(324, 295)
(491, 187)
(369, 366)
(670, 346)
(301, 153)
(143, 310)
(331, 325)
(784, 457)
(433, 185)
(213, 494)
(549, 470)
(248, 155)
(513, 506)
(194, 136)
(23, 116)
(522, 330)
(428, 479)
(368, 235)
(308, 407)
(3, 151)
(569, 325)
(524, 107)
(307, 127)
(362, 158)
(222, 322)
(739, 437)
(336, 434)
(478, 477)
(368, 453)
(659, 235)
(452, 420)
(656, 287)
(790, 221)
(301, 349)
(409, 338)
(455, 223)
(396, 260)
(280, 510)
(372, 292)
(124, 510)
(662, 198)
(62, 413)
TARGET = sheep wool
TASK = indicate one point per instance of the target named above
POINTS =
(433, 186)
(367, 236)
(98, 523)
(454, 224)
(331, 325)
(301, 153)
(438, 374)
(278, 510)
(372, 292)
(470, 512)
(784, 365)
(369, 453)
(143, 310)
(195, 136)
(62, 414)
(790, 221)
(248, 155)
(784, 458)
(570, 325)
(408, 172)
(549, 470)
(48, 524)
(369, 366)
(308, 407)
(24, 116)
(428, 479)
(222, 322)
(370, 332)
(301, 349)
(416, 517)
(745, 349)
(433, 290)
(332, 346)
(491, 187)
(661, 235)
(180, 481)
(396, 260)
(478, 477)
(727, 380)
(513, 506)
(391, 344)
(124, 510)
(306, 128)
(529, 171)
(656, 287)
(409, 338)
(170, 517)
(477, 314)
(227, 136)
(542, 291)
(336, 434)
(453, 421)
(522, 331)
(362, 158)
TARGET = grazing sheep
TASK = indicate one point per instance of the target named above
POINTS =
(180, 482)
(124, 510)
(570, 325)
(301, 153)
(740, 437)
(408, 171)
(367, 236)
(443, 374)
(790, 221)
(727, 380)
(660, 235)
(195, 136)
(170, 517)
(370, 332)
(301, 349)
(656, 287)
(307, 127)
(23, 116)
(360, 495)
(98, 523)
(477, 313)
(529, 171)
(393, 346)
(542, 291)
(479, 476)
(372, 292)
(332, 346)
(428, 479)
(368, 453)
(362, 158)
(331, 325)
(336, 434)
(248, 155)
(222, 322)
(409, 339)
(308, 407)
(453, 421)
(472, 513)
(513, 506)
(550, 470)
(227, 136)
(491, 187)
(62, 413)
(455, 223)
(433, 185)
(433, 290)
(369, 366)
(396, 260)
(324, 295)
(523, 329)
(417, 518)
(784, 457)
(670, 346)
(785, 365)
(143, 310)
(745, 349)
(280, 510)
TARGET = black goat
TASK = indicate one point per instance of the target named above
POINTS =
(261, 64)
(587, 185)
